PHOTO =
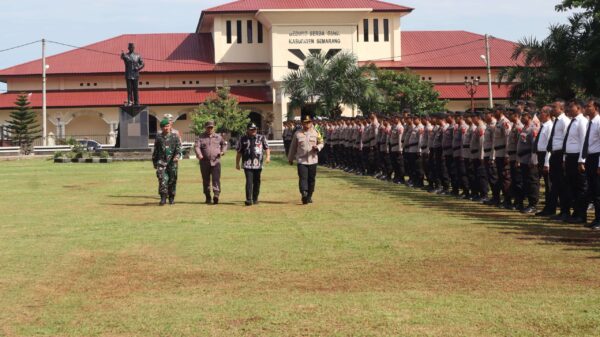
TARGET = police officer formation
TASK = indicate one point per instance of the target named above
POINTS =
(252, 153)
(497, 157)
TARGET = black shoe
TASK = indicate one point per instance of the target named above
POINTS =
(171, 199)
(529, 210)
(216, 200)
(545, 213)
(576, 220)
(593, 224)
(492, 202)
(208, 200)
(248, 202)
(255, 202)
(304, 198)
(596, 228)
(485, 200)
(163, 200)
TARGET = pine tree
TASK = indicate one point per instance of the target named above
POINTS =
(23, 125)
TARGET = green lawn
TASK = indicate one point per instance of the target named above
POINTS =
(86, 251)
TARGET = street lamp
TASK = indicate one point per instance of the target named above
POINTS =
(472, 86)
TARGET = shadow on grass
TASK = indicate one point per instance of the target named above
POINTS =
(525, 227)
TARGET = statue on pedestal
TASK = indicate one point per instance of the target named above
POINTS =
(133, 65)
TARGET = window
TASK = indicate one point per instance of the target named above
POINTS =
(366, 29)
(260, 32)
(182, 82)
(228, 32)
(81, 84)
(239, 31)
(197, 82)
(147, 83)
(376, 30)
(249, 30)
(95, 84)
(386, 30)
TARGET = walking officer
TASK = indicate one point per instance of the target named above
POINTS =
(252, 149)
(304, 149)
(209, 148)
(167, 149)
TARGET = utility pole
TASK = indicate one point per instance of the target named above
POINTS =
(44, 112)
(488, 62)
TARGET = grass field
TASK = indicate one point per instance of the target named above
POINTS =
(85, 251)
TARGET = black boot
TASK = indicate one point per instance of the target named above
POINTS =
(171, 199)
(208, 200)
(216, 200)
(163, 199)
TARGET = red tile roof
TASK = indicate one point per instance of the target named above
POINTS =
(162, 53)
(459, 92)
(449, 49)
(256, 5)
(113, 98)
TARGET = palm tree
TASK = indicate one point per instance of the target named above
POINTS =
(326, 83)
(547, 69)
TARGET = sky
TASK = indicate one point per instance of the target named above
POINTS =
(80, 22)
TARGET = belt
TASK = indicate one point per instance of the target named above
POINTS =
(413, 144)
(487, 150)
(521, 154)
(448, 148)
(457, 148)
(474, 151)
(466, 146)
(501, 147)
(423, 147)
(512, 153)
(558, 152)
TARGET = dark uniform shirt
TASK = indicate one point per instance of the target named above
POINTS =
(252, 150)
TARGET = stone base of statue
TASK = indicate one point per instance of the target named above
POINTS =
(133, 127)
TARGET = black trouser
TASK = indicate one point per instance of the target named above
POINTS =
(541, 160)
(365, 159)
(461, 174)
(387, 164)
(252, 184)
(481, 178)
(132, 91)
(449, 168)
(307, 175)
(441, 175)
(557, 184)
(416, 171)
(593, 182)
(434, 179)
(492, 175)
(426, 167)
(470, 176)
(576, 186)
(286, 146)
(531, 184)
(398, 166)
(503, 169)
(516, 181)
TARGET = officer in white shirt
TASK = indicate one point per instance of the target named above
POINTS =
(574, 178)
(554, 162)
(589, 159)
(541, 146)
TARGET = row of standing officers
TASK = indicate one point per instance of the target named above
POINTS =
(497, 156)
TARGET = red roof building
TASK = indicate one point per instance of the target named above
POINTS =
(249, 45)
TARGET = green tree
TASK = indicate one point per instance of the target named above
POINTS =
(23, 125)
(399, 90)
(224, 110)
(565, 64)
(327, 83)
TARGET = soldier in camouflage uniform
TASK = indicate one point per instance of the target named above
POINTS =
(167, 149)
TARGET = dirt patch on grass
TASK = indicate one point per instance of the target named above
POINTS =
(504, 273)
(106, 275)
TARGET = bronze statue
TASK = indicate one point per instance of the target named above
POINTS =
(133, 65)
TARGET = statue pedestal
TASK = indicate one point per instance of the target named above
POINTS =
(133, 127)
